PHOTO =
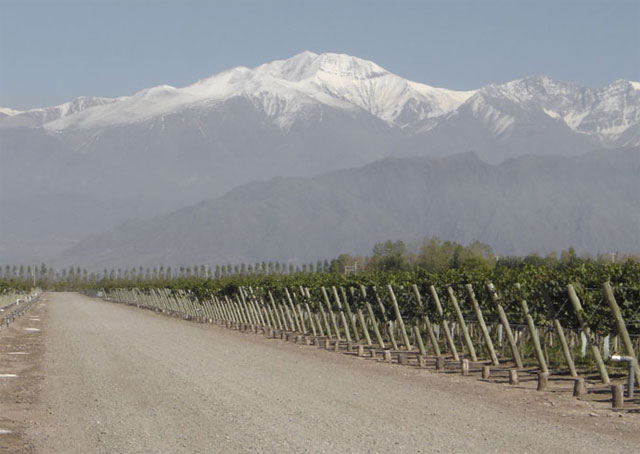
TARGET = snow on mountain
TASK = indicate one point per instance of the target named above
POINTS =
(42, 115)
(605, 114)
(287, 90)
(9, 112)
(283, 88)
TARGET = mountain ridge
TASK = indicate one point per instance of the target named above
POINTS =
(339, 80)
(531, 203)
(164, 148)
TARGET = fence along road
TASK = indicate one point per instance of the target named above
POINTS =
(119, 379)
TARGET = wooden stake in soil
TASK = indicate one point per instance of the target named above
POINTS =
(617, 397)
(334, 324)
(432, 336)
(464, 366)
(396, 308)
(505, 323)
(534, 334)
(486, 372)
(350, 316)
(388, 324)
(543, 380)
(595, 351)
(483, 326)
(342, 316)
(620, 324)
(579, 389)
(461, 322)
(513, 377)
(445, 323)
(372, 317)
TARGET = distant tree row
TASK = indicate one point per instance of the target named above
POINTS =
(432, 255)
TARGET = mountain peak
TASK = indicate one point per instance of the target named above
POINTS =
(308, 64)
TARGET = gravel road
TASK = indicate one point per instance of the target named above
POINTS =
(117, 379)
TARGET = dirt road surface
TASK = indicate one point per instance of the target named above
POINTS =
(101, 377)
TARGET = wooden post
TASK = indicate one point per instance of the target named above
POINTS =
(513, 377)
(290, 308)
(483, 326)
(396, 308)
(352, 320)
(543, 381)
(342, 317)
(387, 356)
(440, 363)
(311, 321)
(273, 306)
(416, 332)
(334, 324)
(464, 366)
(319, 325)
(579, 389)
(445, 323)
(387, 323)
(534, 334)
(575, 301)
(505, 323)
(486, 372)
(372, 317)
(313, 315)
(422, 364)
(432, 336)
(285, 320)
(617, 397)
(463, 325)
(620, 324)
(563, 343)
(360, 350)
(365, 330)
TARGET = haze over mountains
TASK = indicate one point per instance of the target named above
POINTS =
(88, 165)
(533, 203)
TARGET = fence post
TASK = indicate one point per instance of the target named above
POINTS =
(334, 323)
(350, 316)
(463, 325)
(506, 325)
(534, 333)
(432, 336)
(273, 306)
(403, 331)
(342, 317)
(575, 301)
(483, 326)
(372, 317)
(388, 324)
(445, 323)
(622, 327)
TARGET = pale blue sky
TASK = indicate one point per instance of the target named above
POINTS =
(52, 51)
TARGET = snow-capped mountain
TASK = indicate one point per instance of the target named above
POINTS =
(604, 113)
(44, 115)
(165, 147)
(287, 90)
(284, 89)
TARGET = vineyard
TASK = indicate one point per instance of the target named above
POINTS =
(538, 321)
